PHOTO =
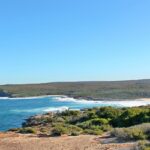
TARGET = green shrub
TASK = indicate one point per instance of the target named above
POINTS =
(14, 129)
(109, 112)
(94, 127)
(92, 114)
(84, 125)
(70, 113)
(93, 122)
(74, 133)
(60, 119)
(99, 121)
(142, 145)
(135, 134)
(106, 127)
(131, 116)
(129, 134)
(138, 132)
(93, 132)
(58, 131)
(43, 130)
(74, 128)
(27, 130)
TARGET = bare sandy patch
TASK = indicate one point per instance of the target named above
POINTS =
(12, 141)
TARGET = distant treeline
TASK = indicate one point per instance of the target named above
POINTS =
(88, 90)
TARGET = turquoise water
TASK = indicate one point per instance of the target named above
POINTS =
(13, 112)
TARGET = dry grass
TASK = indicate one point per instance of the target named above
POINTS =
(82, 142)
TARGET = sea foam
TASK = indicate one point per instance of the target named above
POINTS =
(121, 103)
(41, 110)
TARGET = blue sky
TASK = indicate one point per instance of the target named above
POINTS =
(74, 40)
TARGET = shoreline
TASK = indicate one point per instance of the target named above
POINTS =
(75, 98)
(31, 97)
(112, 102)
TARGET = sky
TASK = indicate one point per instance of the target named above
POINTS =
(74, 40)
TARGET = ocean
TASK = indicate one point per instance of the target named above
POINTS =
(14, 111)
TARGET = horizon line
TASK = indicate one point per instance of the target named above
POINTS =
(72, 82)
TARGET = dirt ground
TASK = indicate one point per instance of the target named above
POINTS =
(13, 141)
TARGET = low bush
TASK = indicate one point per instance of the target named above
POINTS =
(14, 129)
(93, 122)
(142, 145)
(75, 133)
(106, 127)
(27, 130)
(58, 131)
(99, 121)
(93, 132)
(138, 132)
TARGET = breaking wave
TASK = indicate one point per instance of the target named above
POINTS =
(121, 103)
(41, 110)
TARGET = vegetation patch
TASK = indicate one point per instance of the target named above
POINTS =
(123, 123)
(142, 145)
(138, 132)
(27, 130)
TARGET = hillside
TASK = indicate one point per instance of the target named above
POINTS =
(90, 90)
